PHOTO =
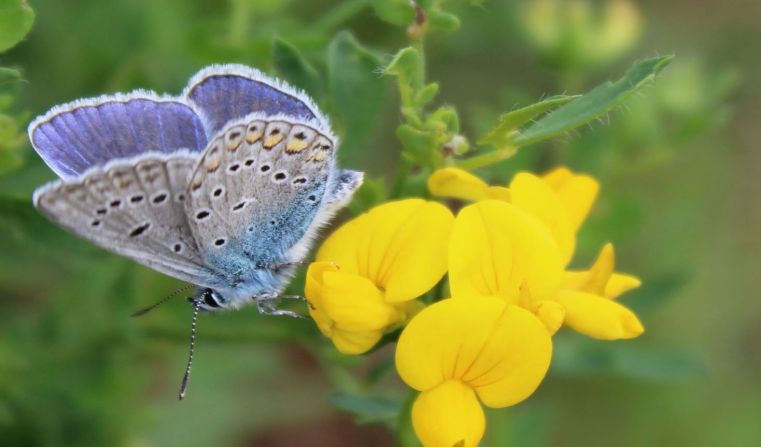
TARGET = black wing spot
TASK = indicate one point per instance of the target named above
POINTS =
(218, 192)
(101, 211)
(95, 223)
(177, 247)
(233, 167)
(299, 181)
(250, 229)
(312, 198)
(136, 199)
(300, 136)
(280, 176)
(265, 168)
(140, 230)
(115, 203)
(159, 199)
(275, 131)
(219, 242)
(181, 197)
(202, 215)
(249, 162)
(239, 206)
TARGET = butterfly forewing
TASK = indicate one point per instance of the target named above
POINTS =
(133, 208)
(256, 189)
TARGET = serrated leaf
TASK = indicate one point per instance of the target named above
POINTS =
(367, 409)
(16, 18)
(291, 65)
(594, 104)
(357, 91)
(500, 135)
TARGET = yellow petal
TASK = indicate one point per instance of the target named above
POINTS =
(551, 314)
(577, 192)
(399, 246)
(499, 349)
(347, 308)
(457, 183)
(529, 193)
(598, 317)
(495, 248)
(620, 283)
(448, 415)
(498, 193)
(596, 278)
(601, 279)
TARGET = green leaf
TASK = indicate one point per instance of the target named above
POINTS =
(594, 104)
(8, 75)
(443, 21)
(291, 65)
(407, 66)
(501, 134)
(420, 147)
(396, 12)
(574, 356)
(16, 18)
(367, 409)
(357, 90)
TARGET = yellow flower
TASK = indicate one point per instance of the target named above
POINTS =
(461, 184)
(459, 352)
(498, 249)
(369, 271)
(560, 199)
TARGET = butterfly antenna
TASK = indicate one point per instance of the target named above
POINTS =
(186, 376)
(144, 311)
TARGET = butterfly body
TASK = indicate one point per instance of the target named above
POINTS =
(224, 187)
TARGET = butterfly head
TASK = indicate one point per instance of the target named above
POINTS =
(208, 300)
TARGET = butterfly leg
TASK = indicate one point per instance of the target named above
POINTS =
(284, 265)
(266, 305)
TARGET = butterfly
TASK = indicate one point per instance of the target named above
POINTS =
(224, 187)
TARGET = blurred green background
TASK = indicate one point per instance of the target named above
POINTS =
(679, 165)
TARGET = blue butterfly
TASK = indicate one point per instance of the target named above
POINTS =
(224, 186)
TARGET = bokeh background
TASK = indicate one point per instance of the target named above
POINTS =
(680, 167)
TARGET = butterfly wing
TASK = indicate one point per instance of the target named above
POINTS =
(229, 92)
(134, 208)
(73, 137)
(255, 192)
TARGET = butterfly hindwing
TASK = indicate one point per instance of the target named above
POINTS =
(134, 208)
(256, 190)
(74, 137)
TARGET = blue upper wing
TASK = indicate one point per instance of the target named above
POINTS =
(228, 92)
(74, 137)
